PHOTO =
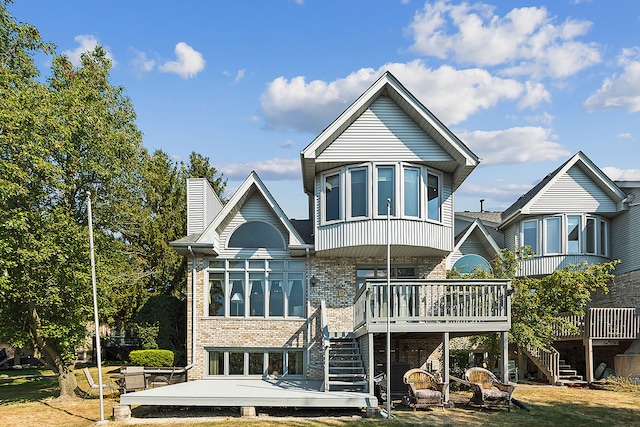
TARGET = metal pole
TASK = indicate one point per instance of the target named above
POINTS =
(388, 309)
(95, 305)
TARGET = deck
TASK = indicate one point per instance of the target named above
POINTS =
(434, 306)
(257, 393)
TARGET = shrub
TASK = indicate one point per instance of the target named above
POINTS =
(153, 358)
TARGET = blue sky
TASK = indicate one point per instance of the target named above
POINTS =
(250, 83)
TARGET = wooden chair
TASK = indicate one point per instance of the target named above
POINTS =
(424, 390)
(487, 390)
(94, 386)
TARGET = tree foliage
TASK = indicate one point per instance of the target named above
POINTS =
(61, 137)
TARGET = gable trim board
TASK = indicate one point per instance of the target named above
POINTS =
(461, 160)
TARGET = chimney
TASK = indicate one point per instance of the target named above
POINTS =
(481, 205)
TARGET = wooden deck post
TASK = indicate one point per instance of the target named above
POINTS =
(504, 356)
(445, 363)
(370, 363)
(588, 357)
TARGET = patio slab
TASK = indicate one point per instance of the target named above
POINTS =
(241, 392)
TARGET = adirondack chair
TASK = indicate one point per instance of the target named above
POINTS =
(488, 391)
(93, 386)
(424, 390)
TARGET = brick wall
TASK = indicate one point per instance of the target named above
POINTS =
(624, 292)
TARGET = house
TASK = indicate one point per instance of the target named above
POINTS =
(273, 297)
(576, 214)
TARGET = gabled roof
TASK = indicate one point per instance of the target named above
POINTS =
(527, 200)
(476, 225)
(464, 160)
(247, 189)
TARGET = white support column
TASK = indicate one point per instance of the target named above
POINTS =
(504, 358)
(588, 357)
(370, 362)
(445, 363)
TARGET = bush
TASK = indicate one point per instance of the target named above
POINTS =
(155, 358)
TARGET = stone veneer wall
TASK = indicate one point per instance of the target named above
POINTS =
(624, 292)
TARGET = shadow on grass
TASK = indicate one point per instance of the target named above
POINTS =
(28, 385)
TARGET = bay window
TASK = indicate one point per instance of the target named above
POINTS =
(565, 234)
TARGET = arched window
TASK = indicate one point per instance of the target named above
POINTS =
(472, 263)
(256, 234)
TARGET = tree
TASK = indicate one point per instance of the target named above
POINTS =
(60, 138)
(537, 301)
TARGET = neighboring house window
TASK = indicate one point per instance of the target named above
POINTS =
(573, 235)
(332, 197)
(256, 288)
(359, 189)
(552, 227)
(590, 236)
(411, 196)
(256, 234)
(433, 197)
(386, 189)
(530, 234)
(255, 362)
(566, 234)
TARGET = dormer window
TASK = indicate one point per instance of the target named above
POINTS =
(414, 191)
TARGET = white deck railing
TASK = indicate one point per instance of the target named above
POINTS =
(601, 323)
(420, 302)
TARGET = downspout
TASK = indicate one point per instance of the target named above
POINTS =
(193, 306)
(308, 308)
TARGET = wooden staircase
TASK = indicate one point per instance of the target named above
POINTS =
(568, 375)
(346, 370)
(558, 371)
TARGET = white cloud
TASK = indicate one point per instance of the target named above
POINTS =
(619, 91)
(453, 95)
(514, 145)
(526, 40)
(273, 169)
(239, 75)
(617, 174)
(140, 63)
(626, 135)
(506, 193)
(87, 44)
(189, 62)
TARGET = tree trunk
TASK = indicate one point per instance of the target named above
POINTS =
(67, 382)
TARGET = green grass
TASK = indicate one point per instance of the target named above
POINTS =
(27, 397)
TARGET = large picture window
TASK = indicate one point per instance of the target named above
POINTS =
(256, 288)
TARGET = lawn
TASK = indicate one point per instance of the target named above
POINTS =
(26, 398)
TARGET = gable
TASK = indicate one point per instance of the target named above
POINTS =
(384, 132)
(573, 192)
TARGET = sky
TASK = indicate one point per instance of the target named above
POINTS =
(250, 83)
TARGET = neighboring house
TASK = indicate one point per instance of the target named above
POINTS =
(269, 296)
(577, 214)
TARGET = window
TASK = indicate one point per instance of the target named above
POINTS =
(433, 197)
(590, 236)
(256, 288)
(411, 192)
(332, 197)
(216, 294)
(256, 234)
(573, 235)
(386, 189)
(364, 272)
(552, 235)
(256, 362)
(359, 191)
(530, 234)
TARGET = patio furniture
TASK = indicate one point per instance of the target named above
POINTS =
(93, 386)
(488, 391)
(425, 391)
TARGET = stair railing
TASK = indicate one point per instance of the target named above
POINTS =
(547, 359)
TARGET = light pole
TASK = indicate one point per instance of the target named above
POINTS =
(95, 306)
(389, 308)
